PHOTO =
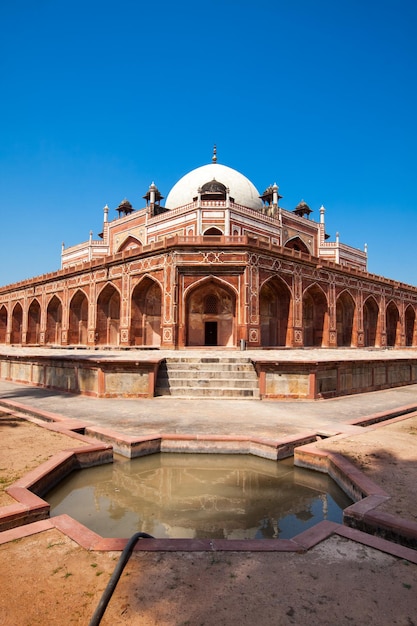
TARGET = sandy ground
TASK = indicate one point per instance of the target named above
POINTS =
(48, 579)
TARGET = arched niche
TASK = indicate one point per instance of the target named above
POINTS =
(315, 317)
(370, 321)
(17, 324)
(345, 319)
(296, 243)
(392, 324)
(78, 319)
(210, 314)
(212, 232)
(53, 321)
(146, 311)
(108, 316)
(410, 325)
(34, 322)
(274, 308)
(3, 324)
(130, 243)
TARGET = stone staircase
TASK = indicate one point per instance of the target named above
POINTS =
(207, 377)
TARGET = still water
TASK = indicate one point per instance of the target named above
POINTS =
(199, 496)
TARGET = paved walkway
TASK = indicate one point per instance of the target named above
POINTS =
(271, 419)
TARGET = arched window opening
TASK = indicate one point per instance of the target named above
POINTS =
(211, 305)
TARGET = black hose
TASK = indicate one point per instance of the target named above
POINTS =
(111, 585)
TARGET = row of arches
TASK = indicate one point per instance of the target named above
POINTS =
(209, 316)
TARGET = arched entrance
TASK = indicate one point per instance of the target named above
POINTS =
(17, 319)
(3, 324)
(210, 315)
(145, 324)
(274, 307)
(53, 321)
(78, 319)
(410, 322)
(34, 322)
(108, 317)
(392, 318)
(315, 317)
(345, 316)
(370, 321)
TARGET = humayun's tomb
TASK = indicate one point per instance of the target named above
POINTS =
(218, 264)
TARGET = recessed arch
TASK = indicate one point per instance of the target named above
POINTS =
(213, 231)
(17, 323)
(345, 319)
(370, 321)
(130, 243)
(108, 316)
(53, 321)
(34, 322)
(78, 318)
(146, 312)
(315, 317)
(274, 308)
(410, 325)
(3, 324)
(392, 324)
(214, 325)
(296, 243)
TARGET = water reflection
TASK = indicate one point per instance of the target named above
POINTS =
(199, 496)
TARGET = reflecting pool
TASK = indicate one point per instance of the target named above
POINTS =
(199, 496)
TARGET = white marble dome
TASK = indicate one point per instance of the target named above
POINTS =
(241, 189)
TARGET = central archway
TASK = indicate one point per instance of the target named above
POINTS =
(210, 315)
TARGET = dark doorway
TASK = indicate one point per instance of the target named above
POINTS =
(210, 334)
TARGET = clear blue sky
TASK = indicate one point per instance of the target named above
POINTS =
(100, 98)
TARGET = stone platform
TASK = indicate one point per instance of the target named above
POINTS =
(267, 374)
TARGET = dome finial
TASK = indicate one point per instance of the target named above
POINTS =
(214, 157)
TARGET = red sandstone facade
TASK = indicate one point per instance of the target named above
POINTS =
(218, 264)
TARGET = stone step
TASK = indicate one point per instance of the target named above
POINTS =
(209, 392)
(207, 367)
(199, 383)
(212, 374)
(213, 377)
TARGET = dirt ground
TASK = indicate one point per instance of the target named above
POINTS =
(48, 579)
